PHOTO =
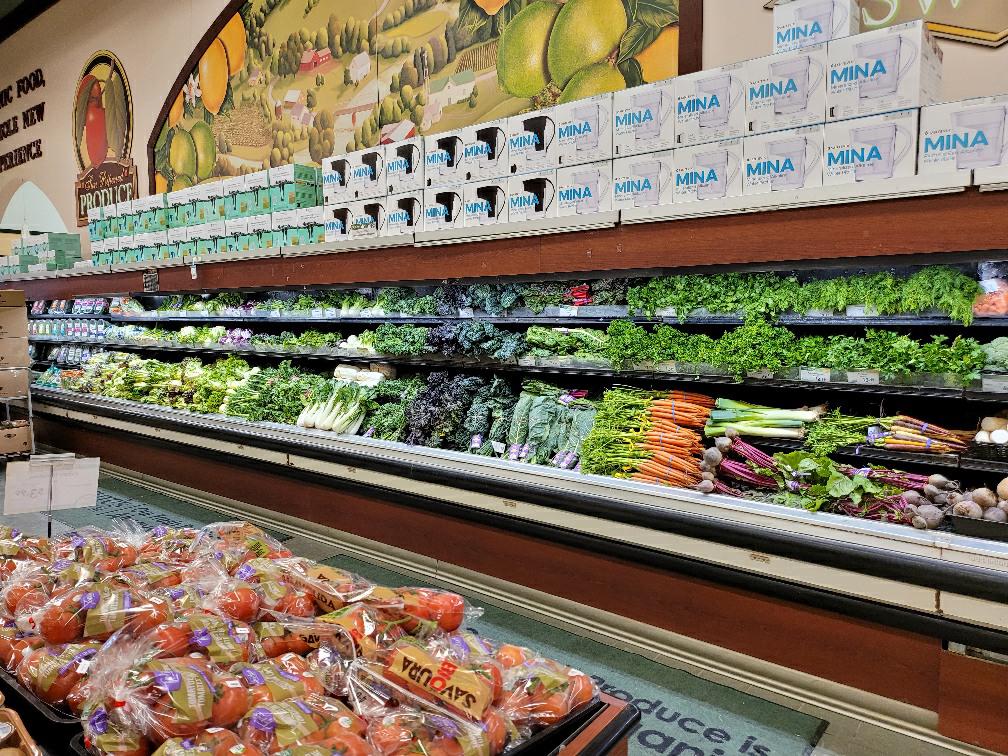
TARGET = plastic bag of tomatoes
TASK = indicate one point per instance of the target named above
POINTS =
(332, 588)
(369, 629)
(15, 644)
(233, 543)
(108, 552)
(287, 676)
(145, 576)
(27, 578)
(94, 611)
(164, 544)
(224, 642)
(272, 727)
(424, 610)
(53, 672)
(539, 692)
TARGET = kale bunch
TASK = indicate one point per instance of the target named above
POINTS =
(449, 298)
(438, 411)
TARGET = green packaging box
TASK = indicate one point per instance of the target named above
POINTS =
(271, 239)
(294, 186)
(295, 237)
(112, 227)
(186, 214)
(168, 252)
(187, 249)
(231, 188)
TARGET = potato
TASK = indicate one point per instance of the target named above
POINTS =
(1002, 489)
(984, 497)
(968, 509)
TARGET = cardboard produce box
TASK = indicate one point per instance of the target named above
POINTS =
(16, 440)
(14, 353)
(14, 382)
(13, 315)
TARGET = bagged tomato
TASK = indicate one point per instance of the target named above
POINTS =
(164, 544)
(144, 576)
(182, 747)
(332, 588)
(272, 727)
(52, 672)
(107, 552)
(17, 549)
(95, 611)
(365, 627)
(427, 609)
(223, 641)
(181, 597)
(282, 635)
(235, 600)
(233, 543)
(538, 691)
(15, 644)
(106, 739)
(287, 676)
(222, 742)
(341, 743)
(26, 578)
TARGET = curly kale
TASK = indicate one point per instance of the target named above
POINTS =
(539, 295)
(492, 298)
(449, 298)
(386, 417)
(609, 291)
(433, 419)
(400, 340)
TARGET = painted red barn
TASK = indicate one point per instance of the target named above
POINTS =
(312, 59)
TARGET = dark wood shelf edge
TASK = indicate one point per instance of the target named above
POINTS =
(969, 222)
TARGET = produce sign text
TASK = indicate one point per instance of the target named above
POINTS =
(14, 123)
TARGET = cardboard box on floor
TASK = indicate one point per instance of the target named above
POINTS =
(16, 440)
(13, 315)
(14, 353)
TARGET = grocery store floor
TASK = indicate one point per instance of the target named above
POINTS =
(677, 706)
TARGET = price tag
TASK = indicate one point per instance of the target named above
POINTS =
(995, 384)
(498, 446)
(467, 312)
(192, 270)
(150, 281)
(814, 375)
(568, 311)
(760, 374)
(863, 377)
(857, 311)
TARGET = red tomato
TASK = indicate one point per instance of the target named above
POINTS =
(492, 672)
(296, 604)
(78, 696)
(345, 743)
(60, 625)
(151, 614)
(550, 711)
(166, 722)
(241, 604)
(231, 701)
(496, 730)
(274, 647)
(444, 747)
(580, 690)
(448, 609)
(226, 743)
(172, 640)
(389, 739)
(511, 656)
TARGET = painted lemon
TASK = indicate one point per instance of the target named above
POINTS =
(176, 112)
(181, 182)
(521, 51)
(213, 76)
(660, 59)
(593, 80)
(182, 154)
(234, 39)
(206, 149)
(585, 32)
(160, 184)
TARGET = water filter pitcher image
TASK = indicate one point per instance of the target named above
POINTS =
(532, 141)
(709, 171)
(971, 135)
(404, 166)
(643, 120)
(584, 130)
(337, 224)
(644, 180)
(786, 90)
(443, 209)
(788, 160)
(334, 180)
(877, 148)
(365, 219)
(801, 23)
(484, 151)
(485, 203)
(883, 71)
(584, 189)
(532, 196)
(403, 214)
(442, 157)
(710, 105)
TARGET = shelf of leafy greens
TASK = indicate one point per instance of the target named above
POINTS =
(651, 437)
(931, 294)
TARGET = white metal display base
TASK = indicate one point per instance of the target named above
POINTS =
(514, 230)
(914, 186)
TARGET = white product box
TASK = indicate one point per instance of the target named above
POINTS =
(284, 219)
(175, 235)
(710, 105)
(786, 91)
(215, 229)
(256, 180)
(233, 185)
(124, 208)
(709, 171)
(200, 231)
(800, 23)
(443, 159)
(403, 213)
(970, 135)
(644, 180)
(257, 223)
(364, 219)
(157, 238)
(310, 216)
(643, 118)
(532, 143)
(334, 179)
(404, 165)
(783, 160)
(871, 149)
(337, 223)
(180, 197)
(94, 214)
(532, 196)
(485, 150)
(584, 189)
(97, 247)
(236, 226)
(485, 202)
(443, 208)
(365, 172)
(113, 243)
(881, 71)
(584, 130)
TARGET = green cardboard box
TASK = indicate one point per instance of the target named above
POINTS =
(187, 249)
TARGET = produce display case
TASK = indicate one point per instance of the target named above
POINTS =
(925, 587)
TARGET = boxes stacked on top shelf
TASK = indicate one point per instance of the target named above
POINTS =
(786, 160)
(803, 23)
(13, 330)
(877, 148)
(786, 90)
(710, 105)
(709, 171)
(644, 119)
(404, 166)
(45, 252)
(970, 135)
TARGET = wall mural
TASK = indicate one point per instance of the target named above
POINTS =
(299, 80)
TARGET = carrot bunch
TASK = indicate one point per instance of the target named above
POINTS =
(906, 433)
(669, 440)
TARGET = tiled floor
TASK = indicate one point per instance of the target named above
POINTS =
(677, 708)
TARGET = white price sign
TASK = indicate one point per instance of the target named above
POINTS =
(995, 384)
(863, 377)
(568, 311)
(27, 486)
(762, 375)
(814, 375)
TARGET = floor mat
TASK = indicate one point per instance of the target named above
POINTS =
(681, 714)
